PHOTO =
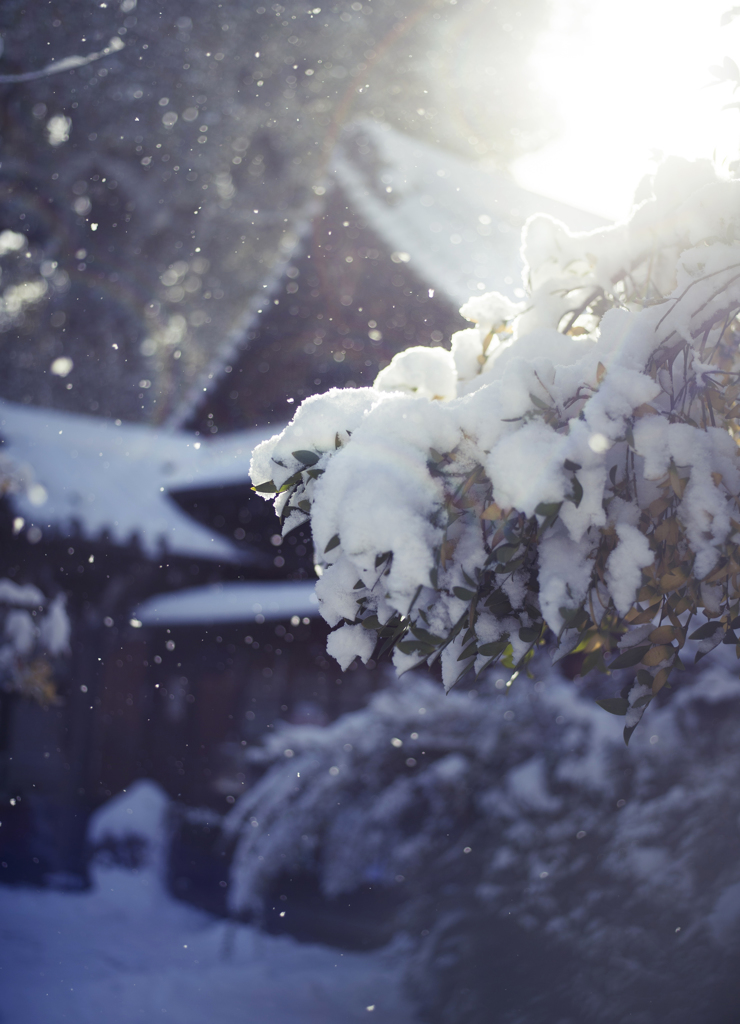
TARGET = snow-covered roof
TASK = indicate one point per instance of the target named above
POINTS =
(229, 602)
(103, 475)
(458, 222)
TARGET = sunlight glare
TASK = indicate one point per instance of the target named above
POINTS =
(631, 82)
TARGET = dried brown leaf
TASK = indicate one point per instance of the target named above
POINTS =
(657, 654)
(662, 635)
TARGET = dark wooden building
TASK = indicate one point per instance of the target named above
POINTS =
(117, 513)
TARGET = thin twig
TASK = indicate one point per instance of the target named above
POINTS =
(65, 64)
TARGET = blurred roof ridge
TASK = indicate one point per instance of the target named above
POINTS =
(237, 337)
(456, 220)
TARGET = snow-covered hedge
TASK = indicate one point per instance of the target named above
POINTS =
(419, 782)
(520, 809)
(569, 465)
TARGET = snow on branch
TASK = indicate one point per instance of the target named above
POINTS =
(65, 64)
(568, 469)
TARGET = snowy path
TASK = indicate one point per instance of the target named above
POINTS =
(125, 952)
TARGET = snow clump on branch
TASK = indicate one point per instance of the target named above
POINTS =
(570, 466)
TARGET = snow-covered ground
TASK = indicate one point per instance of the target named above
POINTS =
(126, 951)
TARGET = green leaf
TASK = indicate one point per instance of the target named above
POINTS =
(268, 487)
(414, 599)
(577, 494)
(703, 654)
(457, 627)
(371, 622)
(499, 604)
(359, 585)
(614, 705)
(642, 702)
(528, 635)
(572, 616)
(628, 730)
(506, 552)
(573, 467)
(493, 650)
(304, 505)
(593, 660)
(517, 563)
(425, 635)
(538, 402)
(389, 637)
(379, 559)
(333, 543)
(704, 632)
(508, 656)
(290, 482)
(548, 508)
(470, 652)
(629, 658)
(306, 457)
(463, 594)
(569, 614)
(414, 647)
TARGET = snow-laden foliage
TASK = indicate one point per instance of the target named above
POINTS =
(522, 814)
(34, 633)
(570, 465)
(131, 829)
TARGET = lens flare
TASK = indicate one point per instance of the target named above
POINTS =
(632, 82)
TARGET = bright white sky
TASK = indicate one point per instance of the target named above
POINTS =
(630, 77)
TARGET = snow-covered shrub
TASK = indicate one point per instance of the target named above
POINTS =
(570, 465)
(131, 829)
(34, 631)
(516, 822)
